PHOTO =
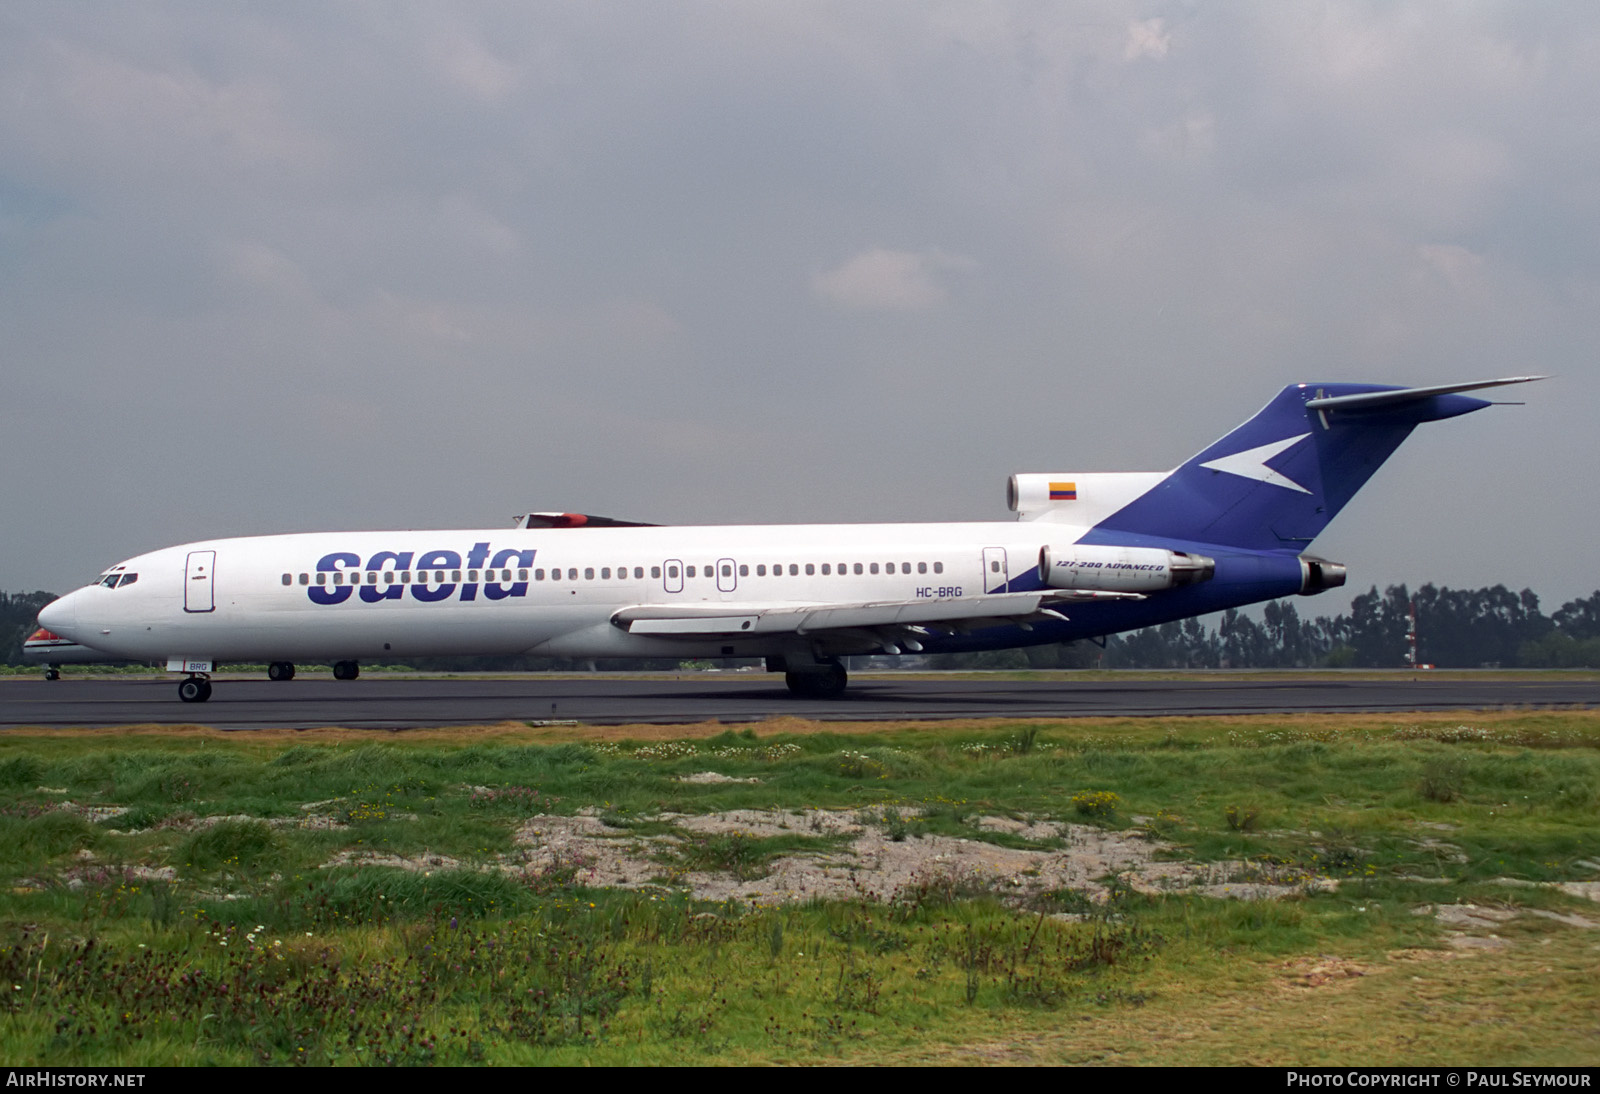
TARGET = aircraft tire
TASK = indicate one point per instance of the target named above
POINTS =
(194, 690)
(280, 670)
(828, 683)
(52, 674)
(346, 670)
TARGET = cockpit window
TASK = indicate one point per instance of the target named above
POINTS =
(127, 579)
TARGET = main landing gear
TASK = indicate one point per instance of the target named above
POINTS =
(195, 689)
(52, 673)
(280, 670)
(825, 681)
(345, 670)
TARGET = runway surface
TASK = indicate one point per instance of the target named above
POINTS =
(407, 703)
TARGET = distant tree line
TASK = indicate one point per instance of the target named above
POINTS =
(19, 615)
(1456, 628)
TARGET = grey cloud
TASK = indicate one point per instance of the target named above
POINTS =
(304, 265)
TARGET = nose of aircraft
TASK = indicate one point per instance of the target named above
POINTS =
(60, 616)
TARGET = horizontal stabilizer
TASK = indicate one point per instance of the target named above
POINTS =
(1380, 400)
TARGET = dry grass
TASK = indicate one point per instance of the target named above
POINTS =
(1133, 730)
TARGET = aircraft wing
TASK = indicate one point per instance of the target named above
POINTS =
(911, 616)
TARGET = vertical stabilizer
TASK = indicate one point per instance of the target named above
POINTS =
(1276, 481)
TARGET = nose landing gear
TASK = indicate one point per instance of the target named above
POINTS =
(280, 670)
(195, 689)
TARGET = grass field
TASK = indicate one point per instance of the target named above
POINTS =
(1274, 889)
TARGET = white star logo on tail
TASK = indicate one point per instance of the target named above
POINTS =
(1252, 464)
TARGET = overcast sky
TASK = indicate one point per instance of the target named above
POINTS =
(298, 266)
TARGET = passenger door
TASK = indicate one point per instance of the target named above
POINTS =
(198, 595)
(995, 574)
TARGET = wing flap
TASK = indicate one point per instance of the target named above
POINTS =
(994, 609)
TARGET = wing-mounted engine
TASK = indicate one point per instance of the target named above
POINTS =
(1121, 569)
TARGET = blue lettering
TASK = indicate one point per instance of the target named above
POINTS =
(428, 571)
(435, 560)
(330, 563)
(372, 593)
(494, 590)
(475, 557)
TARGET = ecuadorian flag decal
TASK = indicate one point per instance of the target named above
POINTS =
(1063, 491)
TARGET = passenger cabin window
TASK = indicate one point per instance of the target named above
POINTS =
(938, 567)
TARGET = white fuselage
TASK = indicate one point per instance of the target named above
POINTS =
(541, 591)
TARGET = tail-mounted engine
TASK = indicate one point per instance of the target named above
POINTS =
(1319, 575)
(1122, 569)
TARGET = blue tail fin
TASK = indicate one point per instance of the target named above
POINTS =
(1275, 482)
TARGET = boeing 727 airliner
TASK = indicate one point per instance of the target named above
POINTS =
(1089, 554)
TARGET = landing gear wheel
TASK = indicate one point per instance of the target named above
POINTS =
(52, 674)
(280, 670)
(826, 682)
(346, 670)
(196, 689)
